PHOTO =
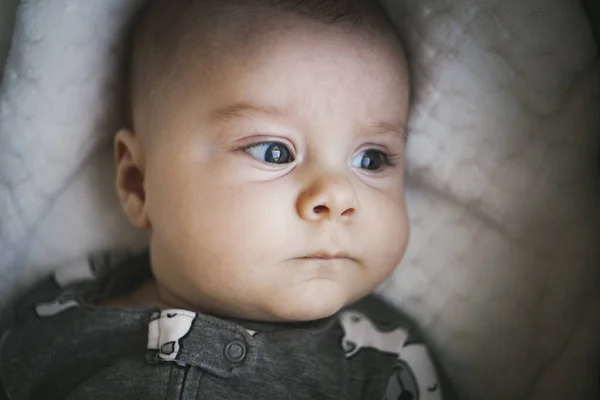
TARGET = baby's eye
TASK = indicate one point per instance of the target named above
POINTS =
(371, 160)
(270, 152)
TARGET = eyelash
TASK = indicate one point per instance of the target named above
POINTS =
(389, 160)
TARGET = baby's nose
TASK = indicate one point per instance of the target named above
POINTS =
(328, 198)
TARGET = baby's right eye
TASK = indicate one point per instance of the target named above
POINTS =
(270, 152)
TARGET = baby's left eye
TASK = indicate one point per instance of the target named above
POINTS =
(371, 160)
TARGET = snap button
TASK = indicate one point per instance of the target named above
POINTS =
(235, 351)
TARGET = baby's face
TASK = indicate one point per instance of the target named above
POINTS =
(275, 189)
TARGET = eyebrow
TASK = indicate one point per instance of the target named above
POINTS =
(242, 110)
(382, 128)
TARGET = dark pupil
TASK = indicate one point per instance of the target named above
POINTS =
(371, 160)
(277, 154)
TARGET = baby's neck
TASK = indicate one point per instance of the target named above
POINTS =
(148, 295)
(145, 295)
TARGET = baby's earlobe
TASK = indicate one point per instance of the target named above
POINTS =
(136, 212)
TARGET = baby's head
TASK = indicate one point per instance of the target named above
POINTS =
(266, 153)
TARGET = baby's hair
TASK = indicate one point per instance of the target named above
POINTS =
(168, 31)
(329, 11)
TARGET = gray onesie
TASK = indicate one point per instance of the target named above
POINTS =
(57, 345)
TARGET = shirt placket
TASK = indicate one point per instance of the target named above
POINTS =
(197, 345)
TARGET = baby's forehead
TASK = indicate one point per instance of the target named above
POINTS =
(176, 37)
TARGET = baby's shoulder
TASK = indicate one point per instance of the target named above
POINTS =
(73, 285)
(381, 314)
(373, 326)
(52, 333)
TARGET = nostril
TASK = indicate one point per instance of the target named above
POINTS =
(348, 213)
(320, 209)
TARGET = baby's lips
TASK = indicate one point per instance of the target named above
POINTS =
(326, 255)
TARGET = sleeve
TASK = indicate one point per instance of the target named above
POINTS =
(416, 374)
(3, 334)
(3, 395)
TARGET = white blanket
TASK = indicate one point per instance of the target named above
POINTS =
(503, 267)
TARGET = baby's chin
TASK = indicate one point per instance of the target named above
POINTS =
(309, 303)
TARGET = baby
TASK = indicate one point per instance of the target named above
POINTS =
(265, 159)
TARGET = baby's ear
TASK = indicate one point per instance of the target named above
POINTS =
(129, 160)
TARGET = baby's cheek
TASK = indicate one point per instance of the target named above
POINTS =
(391, 239)
(238, 222)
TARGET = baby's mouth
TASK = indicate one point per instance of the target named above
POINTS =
(324, 255)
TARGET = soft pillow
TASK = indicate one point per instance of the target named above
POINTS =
(502, 269)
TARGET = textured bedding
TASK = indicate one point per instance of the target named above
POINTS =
(503, 270)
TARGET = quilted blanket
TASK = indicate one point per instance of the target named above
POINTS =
(503, 270)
